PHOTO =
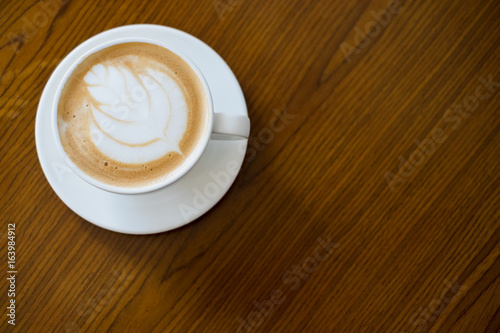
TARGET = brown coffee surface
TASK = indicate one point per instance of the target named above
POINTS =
(102, 143)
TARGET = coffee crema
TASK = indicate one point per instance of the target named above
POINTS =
(130, 115)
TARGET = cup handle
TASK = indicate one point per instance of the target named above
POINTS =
(231, 125)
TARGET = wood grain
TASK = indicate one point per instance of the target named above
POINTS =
(418, 253)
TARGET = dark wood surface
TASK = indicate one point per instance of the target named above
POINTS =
(413, 231)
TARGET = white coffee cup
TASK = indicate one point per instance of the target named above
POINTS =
(226, 126)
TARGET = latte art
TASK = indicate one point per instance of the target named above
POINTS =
(131, 114)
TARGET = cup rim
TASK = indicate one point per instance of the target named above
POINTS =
(187, 165)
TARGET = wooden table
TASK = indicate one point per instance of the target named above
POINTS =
(371, 204)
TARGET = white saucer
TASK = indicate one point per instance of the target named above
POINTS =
(178, 204)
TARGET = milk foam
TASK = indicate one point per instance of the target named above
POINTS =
(131, 114)
(138, 115)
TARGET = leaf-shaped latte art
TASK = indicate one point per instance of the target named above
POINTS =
(139, 114)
